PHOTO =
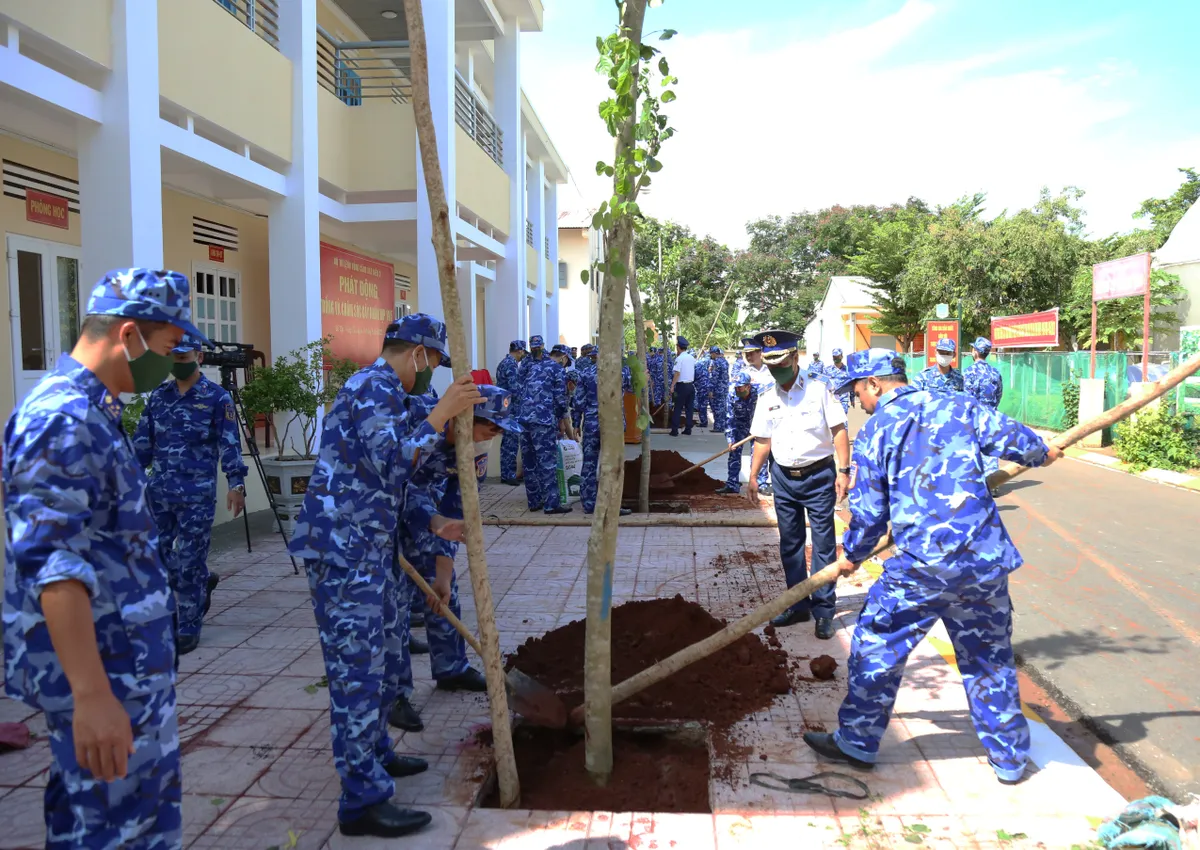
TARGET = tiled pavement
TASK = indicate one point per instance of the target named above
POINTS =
(255, 734)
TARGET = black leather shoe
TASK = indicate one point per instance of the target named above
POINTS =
(511, 482)
(416, 619)
(824, 628)
(404, 716)
(687, 433)
(468, 680)
(416, 646)
(385, 820)
(674, 434)
(826, 747)
(791, 618)
(726, 490)
(402, 766)
(213, 581)
(186, 644)
(625, 512)
(766, 490)
(561, 509)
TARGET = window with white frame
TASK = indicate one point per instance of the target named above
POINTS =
(403, 288)
(215, 303)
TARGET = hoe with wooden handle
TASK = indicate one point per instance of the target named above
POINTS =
(662, 481)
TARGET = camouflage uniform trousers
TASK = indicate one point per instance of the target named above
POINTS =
(990, 464)
(447, 649)
(539, 452)
(588, 480)
(358, 617)
(717, 402)
(734, 462)
(140, 812)
(510, 444)
(184, 536)
(898, 613)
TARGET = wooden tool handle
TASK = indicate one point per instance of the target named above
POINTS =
(723, 451)
(444, 611)
(1009, 470)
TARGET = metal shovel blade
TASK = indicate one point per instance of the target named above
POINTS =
(534, 701)
(661, 481)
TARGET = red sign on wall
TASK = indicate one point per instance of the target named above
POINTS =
(216, 253)
(1033, 330)
(47, 209)
(936, 331)
(358, 302)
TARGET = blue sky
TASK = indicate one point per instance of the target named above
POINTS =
(786, 105)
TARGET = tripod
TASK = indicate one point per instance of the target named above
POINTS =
(229, 382)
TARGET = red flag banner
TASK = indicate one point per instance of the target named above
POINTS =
(935, 332)
(1121, 278)
(1033, 330)
(358, 302)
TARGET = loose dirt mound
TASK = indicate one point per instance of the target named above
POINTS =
(742, 678)
(823, 667)
(695, 483)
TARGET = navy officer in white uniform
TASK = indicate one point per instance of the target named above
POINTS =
(799, 427)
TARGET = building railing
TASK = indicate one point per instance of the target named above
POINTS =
(354, 70)
(260, 16)
(547, 247)
(529, 233)
(472, 116)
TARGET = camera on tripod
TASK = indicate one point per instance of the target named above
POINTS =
(228, 355)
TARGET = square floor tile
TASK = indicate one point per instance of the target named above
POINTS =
(24, 819)
(246, 661)
(254, 823)
(262, 727)
(216, 771)
(291, 692)
(300, 775)
(217, 688)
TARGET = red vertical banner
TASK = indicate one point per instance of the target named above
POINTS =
(358, 302)
(935, 332)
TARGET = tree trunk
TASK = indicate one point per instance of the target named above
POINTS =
(602, 542)
(443, 242)
(639, 333)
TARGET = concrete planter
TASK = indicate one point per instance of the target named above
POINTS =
(287, 480)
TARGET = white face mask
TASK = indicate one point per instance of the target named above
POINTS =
(945, 359)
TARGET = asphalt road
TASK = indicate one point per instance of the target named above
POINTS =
(1108, 609)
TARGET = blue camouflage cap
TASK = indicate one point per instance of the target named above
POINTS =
(716, 349)
(155, 296)
(587, 349)
(560, 349)
(681, 341)
(536, 341)
(750, 343)
(497, 407)
(187, 344)
(421, 329)
(837, 352)
(517, 345)
(983, 345)
(871, 363)
(742, 380)
(776, 345)
(946, 346)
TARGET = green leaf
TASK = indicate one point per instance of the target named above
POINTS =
(217, 801)
(647, 52)
(608, 171)
(668, 96)
(914, 839)
(663, 67)
(667, 35)
(585, 275)
(1004, 836)
(600, 166)
(597, 221)
(310, 689)
(617, 268)
(919, 827)
(654, 166)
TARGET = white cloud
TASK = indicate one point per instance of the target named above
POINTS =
(824, 121)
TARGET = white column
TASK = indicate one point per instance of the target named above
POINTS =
(294, 224)
(537, 215)
(120, 172)
(552, 232)
(439, 35)
(470, 310)
(506, 294)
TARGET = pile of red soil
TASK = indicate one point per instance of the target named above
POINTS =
(695, 483)
(650, 774)
(740, 679)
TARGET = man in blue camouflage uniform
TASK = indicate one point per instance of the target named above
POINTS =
(918, 464)
(835, 373)
(943, 377)
(187, 423)
(658, 386)
(346, 534)
(432, 492)
(982, 382)
(742, 396)
(506, 379)
(718, 387)
(572, 379)
(703, 388)
(541, 409)
(587, 399)
(88, 609)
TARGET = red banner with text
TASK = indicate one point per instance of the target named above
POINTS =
(936, 331)
(358, 302)
(1033, 330)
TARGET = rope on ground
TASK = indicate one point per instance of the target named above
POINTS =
(810, 785)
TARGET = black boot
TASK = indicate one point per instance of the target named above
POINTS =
(468, 680)
(385, 820)
(791, 618)
(187, 644)
(561, 509)
(213, 581)
(404, 716)
(824, 628)
(402, 766)
(416, 619)
(826, 747)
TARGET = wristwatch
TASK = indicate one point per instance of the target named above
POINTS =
(843, 470)
(240, 488)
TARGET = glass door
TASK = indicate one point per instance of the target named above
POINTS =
(46, 306)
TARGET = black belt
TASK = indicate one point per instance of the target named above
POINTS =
(798, 473)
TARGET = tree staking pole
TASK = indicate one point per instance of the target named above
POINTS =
(638, 133)
(639, 334)
(443, 243)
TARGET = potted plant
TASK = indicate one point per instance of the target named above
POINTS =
(296, 386)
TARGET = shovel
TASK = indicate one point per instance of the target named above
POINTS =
(662, 481)
(530, 698)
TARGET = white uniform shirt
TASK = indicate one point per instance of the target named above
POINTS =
(761, 378)
(798, 422)
(685, 367)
